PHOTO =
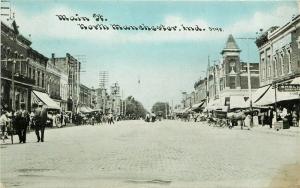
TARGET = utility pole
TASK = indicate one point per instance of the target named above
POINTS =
(166, 109)
(103, 79)
(125, 108)
(207, 82)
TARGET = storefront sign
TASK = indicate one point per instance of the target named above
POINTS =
(288, 87)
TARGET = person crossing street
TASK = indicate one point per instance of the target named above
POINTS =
(40, 122)
(22, 122)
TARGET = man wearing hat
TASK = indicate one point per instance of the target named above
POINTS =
(22, 121)
(40, 121)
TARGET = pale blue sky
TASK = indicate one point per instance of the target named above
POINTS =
(166, 63)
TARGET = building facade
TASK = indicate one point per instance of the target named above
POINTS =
(115, 99)
(85, 97)
(279, 52)
(53, 81)
(71, 66)
(227, 78)
(23, 69)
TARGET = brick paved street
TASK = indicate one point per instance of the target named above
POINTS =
(139, 154)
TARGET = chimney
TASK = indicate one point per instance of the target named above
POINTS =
(53, 58)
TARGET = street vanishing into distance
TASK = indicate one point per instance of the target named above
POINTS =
(134, 153)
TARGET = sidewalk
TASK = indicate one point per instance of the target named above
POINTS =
(292, 131)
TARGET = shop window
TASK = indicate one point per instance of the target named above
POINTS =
(227, 101)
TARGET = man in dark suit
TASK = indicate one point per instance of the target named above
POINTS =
(40, 122)
(270, 117)
(22, 121)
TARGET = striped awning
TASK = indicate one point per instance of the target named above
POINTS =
(38, 97)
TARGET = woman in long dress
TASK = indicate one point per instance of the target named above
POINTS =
(248, 121)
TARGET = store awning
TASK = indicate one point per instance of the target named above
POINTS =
(197, 106)
(259, 93)
(45, 99)
(89, 109)
(185, 110)
(97, 110)
(215, 104)
(238, 102)
(269, 97)
(296, 81)
(84, 109)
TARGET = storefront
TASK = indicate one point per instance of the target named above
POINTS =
(21, 93)
(283, 97)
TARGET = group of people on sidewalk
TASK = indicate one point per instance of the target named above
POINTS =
(246, 118)
(21, 121)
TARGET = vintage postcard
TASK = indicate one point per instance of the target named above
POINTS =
(156, 94)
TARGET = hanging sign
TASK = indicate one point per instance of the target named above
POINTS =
(288, 87)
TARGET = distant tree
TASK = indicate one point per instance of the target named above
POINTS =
(160, 108)
(134, 108)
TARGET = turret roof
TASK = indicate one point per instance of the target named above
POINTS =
(231, 45)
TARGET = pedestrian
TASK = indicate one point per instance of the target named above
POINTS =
(62, 118)
(153, 117)
(3, 125)
(147, 117)
(255, 119)
(40, 122)
(247, 121)
(270, 117)
(111, 119)
(294, 115)
(262, 119)
(22, 122)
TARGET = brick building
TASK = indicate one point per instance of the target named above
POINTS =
(71, 66)
(279, 52)
(53, 81)
(226, 82)
(23, 69)
(85, 96)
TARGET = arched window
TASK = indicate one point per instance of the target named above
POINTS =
(289, 61)
(282, 64)
(275, 66)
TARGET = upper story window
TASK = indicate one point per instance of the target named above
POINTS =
(275, 66)
(268, 66)
(289, 61)
(38, 78)
(282, 64)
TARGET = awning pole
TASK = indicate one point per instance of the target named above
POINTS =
(275, 86)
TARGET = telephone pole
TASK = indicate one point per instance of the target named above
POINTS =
(103, 80)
